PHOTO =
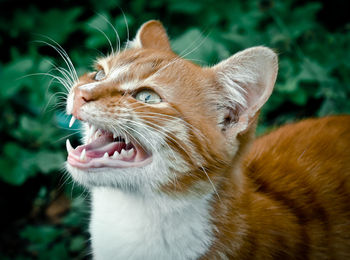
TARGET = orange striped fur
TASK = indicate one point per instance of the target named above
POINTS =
(294, 200)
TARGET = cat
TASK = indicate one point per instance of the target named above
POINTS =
(174, 172)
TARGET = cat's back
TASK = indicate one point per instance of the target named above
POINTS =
(305, 167)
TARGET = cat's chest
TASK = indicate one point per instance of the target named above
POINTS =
(125, 227)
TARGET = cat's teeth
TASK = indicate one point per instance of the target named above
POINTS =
(127, 154)
(83, 155)
(130, 152)
(69, 146)
(114, 136)
(72, 120)
(116, 155)
(127, 140)
(105, 155)
(123, 153)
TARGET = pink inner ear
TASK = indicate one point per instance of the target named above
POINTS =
(247, 78)
(153, 35)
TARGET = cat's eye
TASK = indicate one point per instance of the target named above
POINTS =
(148, 97)
(100, 75)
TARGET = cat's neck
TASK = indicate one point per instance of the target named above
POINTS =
(149, 227)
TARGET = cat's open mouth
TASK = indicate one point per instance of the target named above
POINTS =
(105, 149)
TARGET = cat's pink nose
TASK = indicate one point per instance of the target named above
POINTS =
(81, 97)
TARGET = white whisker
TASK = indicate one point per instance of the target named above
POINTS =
(169, 118)
(212, 184)
(115, 31)
(127, 29)
(104, 34)
(59, 49)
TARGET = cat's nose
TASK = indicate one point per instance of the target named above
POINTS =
(81, 97)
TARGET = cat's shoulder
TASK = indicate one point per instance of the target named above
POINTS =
(312, 152)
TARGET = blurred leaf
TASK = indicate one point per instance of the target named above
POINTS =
(58, 252)
(185, 7)
(41, 234)
(58, 24)
(11, 173)
(77, 244)
(17, 163)
(103, 5)
(48, 161)
(101, 32)
(10, 76)
(299, 97)
(194, 46)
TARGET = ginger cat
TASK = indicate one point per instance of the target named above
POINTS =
(169, 158)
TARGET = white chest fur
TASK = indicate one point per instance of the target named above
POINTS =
(127, 226)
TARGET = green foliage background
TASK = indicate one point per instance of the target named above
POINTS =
(43, 215)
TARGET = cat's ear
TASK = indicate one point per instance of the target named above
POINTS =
(246, 82)
(152, 35)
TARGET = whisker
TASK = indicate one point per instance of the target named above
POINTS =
(67, 136)
(51, 97)
(168, 117)
(103, 33)
(127, 29)
(144, 138)
(164, 133)
(67, 59)
(59, 79)
(175, 157)
(115, 31)
(212, 184)
(153, 128)
(59, 49)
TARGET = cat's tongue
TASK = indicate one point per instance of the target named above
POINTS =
(100, 146)
(105, 151)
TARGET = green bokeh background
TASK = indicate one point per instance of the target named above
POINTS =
(44, 216)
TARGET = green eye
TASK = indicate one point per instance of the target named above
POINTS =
(148, 97)
(100, 75)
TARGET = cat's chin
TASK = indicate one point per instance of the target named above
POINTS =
(129, 179)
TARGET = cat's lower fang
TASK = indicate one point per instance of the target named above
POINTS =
(69, 146)
(83, 155)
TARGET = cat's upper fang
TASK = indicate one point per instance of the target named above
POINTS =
(71, 122)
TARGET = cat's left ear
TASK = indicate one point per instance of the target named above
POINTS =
(246, 81)
(152, 35)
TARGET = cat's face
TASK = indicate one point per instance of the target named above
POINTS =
(156, 121)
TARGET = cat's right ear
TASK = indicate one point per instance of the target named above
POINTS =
(152, 35)
(246, 81)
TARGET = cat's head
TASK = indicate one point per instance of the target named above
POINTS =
(155, 121)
